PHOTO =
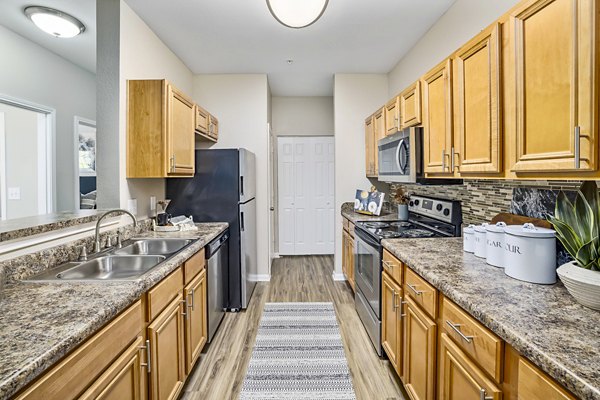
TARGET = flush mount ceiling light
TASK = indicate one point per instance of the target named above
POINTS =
(54, 22)
(297, 13)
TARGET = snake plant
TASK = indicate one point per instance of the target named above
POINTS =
(577, 225)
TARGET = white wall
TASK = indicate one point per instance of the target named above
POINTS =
(356, 96)
(457, 26)
(301, 116)
(240, 102)
(32, 73)
(144, 56)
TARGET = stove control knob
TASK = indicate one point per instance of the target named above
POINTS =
(417, 202)
(446, 211)
(439, 207)
(411, 203)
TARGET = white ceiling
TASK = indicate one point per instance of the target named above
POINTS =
(80, 50)
(241, 36)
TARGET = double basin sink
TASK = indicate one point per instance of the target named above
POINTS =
(126, 263)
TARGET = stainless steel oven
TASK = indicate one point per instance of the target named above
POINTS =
(367, 267)
(400, 156)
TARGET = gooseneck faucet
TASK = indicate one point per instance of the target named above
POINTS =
(97, 246)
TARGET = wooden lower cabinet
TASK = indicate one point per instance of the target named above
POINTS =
(419, 352)
(196, 332)
(167, 359)
(391, 320)
(459, 378)
(125, 379)
(533, 384)
(348, 258)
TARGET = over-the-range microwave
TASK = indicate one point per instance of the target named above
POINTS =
(401, 159)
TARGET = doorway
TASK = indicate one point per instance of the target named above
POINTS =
(26, 161)
(85, 163)
(306, 195)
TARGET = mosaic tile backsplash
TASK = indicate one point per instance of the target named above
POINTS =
(483, 199)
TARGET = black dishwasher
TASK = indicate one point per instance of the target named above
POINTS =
(217, 264)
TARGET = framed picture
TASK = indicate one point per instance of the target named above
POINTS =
(87, 150)
(368, 203)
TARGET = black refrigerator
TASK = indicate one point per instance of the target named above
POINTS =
(223, 189)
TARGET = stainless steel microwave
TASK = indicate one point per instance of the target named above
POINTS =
(400, 156)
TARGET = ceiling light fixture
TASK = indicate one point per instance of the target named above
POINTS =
(297, 13)
(54, 22)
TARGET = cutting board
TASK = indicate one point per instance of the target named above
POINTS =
(514, 219)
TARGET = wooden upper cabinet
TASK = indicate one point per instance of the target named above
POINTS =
(202, 117)
(459, 378)
(391, 320)
(160, 130)
(555, 52)
(370, 147)
(392, 116)
(437, 119)
(410, 106)
(477, 111)
(213, 127)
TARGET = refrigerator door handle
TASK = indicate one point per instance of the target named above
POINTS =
(242, 184)
(242, 221)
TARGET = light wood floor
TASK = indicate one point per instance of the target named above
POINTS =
(221, 370)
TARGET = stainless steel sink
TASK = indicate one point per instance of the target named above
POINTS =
(154, 246)
(102, 269)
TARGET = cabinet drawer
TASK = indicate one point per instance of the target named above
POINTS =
(392, 266)
(193, 266)
(161, 295)
(421, 292)
(473, 338)
(89, 360)
(534, 384)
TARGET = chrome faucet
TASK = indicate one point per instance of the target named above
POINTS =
(97, 245)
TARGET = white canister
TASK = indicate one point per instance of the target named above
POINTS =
(494, 240)
(530, 253)
(469, 239)
(480, 245)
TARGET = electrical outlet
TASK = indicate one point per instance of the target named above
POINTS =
(14, 193)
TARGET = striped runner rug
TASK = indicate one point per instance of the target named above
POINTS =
(298, 354)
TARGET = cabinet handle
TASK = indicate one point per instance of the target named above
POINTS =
(191, 295)
(456, 328)
(184, 307)
(395, 304)
(147, 363)
(414, 289)
(173, 163)
(387, 264)
(452, 162)
(483, 395)
(577, 147)
(401, 304)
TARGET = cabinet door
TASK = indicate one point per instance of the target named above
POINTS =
(534, 384)
(196, 331)
(180, 133)
(410, 106)
(391, 320)
(392, 116)
(351, 262)
(167, 352)
(345, 253)
(478, 116)
(369, 147)
(125, 379)
(201, 120)
(378, 134)
(437, 119)
(419, 352)
(460, 378)
(213, 127)
(556, 96)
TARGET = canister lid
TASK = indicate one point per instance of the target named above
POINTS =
(530, 230)
(469, 229)
(481, 228)
(498, 227)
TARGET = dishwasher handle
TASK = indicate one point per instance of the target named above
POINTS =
(216, 244)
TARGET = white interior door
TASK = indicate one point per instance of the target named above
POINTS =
(306, 187)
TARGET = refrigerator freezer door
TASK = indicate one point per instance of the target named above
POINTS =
(248, 250)
(247, 182)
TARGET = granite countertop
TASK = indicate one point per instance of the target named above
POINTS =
(542, 322)
(42, 322)
(354, 217)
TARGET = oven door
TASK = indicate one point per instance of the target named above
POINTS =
(398, 158)
(367, 268)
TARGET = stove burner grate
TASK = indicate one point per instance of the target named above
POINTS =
(417, 233)
(401, 224)
(377, 225)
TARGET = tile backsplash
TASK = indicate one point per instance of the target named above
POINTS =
(483, 199)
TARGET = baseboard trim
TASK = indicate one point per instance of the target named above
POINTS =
(338, 276)
(262, 278)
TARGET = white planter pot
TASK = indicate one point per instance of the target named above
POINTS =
(583, 284)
